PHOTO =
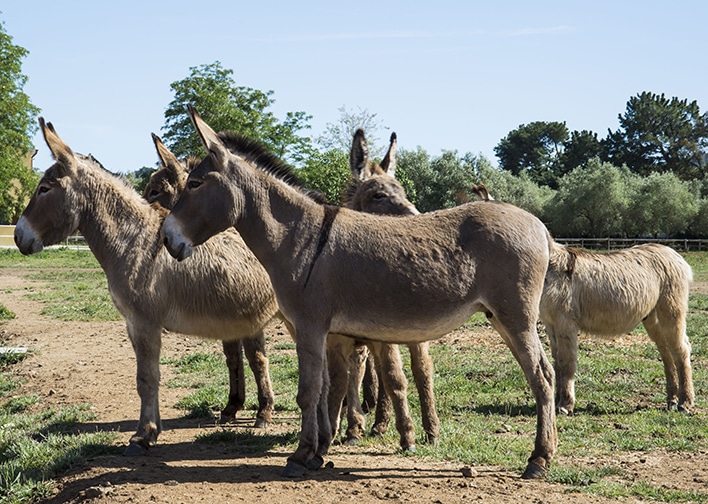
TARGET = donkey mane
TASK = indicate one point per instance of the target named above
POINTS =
(260, 157)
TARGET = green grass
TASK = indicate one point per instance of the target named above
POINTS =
(486, 408)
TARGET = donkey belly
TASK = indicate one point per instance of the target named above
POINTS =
(204, 326)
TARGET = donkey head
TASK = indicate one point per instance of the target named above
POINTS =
(52, 213)
(375, 188)
(209, 203)
(166, 184)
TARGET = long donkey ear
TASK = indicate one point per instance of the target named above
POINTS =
(388, 164)
(210, 140)
(359, 157)
(167, 159)
(61, 152)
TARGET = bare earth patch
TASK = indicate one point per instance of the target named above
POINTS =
(93, 363)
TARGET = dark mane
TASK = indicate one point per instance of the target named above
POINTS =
(257, 153)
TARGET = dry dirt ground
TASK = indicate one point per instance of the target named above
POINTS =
(79, 363)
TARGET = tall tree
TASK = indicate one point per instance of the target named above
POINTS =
(534, 148)
(658, 134)
(226, 106)
(17, 125)
(339, 135)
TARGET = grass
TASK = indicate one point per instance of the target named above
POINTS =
(486, 408)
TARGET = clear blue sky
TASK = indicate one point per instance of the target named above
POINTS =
(444, 75)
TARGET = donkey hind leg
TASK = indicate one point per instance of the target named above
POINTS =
(312, 397)
(254, 348)
(422, 367)
(519, 333)
(146, 341)
(382, 414)
(339, 350)
(237, 385)
(370, 385)
(395, 385)
(356, 421)
(669, 334)
(564, 350)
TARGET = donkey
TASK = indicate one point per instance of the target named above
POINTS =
(609, 294)
(162, 189)
(374, 189)
(225, 293)
(372, 277)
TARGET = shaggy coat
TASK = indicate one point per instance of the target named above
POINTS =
(609, 295)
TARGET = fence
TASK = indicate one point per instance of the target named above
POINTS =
(684, 245)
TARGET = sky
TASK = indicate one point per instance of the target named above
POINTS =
(444, 75)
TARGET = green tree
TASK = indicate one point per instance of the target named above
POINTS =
(140, 178)
(591, 201)
(536, 149)
(17, 125)
(328, 173)
(226, 106)
(662, 205)
(658, 134)
(580, 148)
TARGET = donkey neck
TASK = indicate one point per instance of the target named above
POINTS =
(278, 218)
(118, 225)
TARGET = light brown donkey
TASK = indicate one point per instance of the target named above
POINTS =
(374, 189)
(382, 278)
(162, 189)
(225, 293)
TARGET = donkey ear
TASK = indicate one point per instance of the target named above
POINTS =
(61, 152)
(210, 140)
(388, 164)
(167, 159)
(359, 156)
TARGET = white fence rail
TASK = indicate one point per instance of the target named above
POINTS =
(7, 238)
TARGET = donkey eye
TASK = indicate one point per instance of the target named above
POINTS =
(42, 189)
(193, 184)
(154, 192)
(380, 196)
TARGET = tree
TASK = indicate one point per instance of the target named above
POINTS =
(591, 201)
(339, 135)
(17, 125)
(660, 135)
(328, 173)
(580, 148)
(534, 148)
(226, 106)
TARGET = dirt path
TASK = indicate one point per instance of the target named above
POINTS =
(78, 363)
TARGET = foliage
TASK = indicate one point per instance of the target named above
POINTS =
(327, 173)
(658, 134)
(5, 313)
(339, 135)
(226, 106)
(17, 125)
(139, 179)
(534, 148)
(590, 202)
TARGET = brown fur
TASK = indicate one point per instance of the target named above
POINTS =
(225, 293)
(381, 278)
(374, 189)
(609, 295)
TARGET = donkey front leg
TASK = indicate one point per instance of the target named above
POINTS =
(146, 341)
(237, 385)
(254, 349)
(312, 395)
(564, 350)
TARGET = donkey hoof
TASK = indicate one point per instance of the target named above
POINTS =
(261, 423)
(352, 441)
(408, 449)
(293, 470)
(536, 469)
(135, 450)
(226, 419)
(315, 463)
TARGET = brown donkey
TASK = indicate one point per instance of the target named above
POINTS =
(374, 189)
(225, 293)
(163, 189)
(381, 278)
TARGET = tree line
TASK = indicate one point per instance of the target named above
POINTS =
(646, 179)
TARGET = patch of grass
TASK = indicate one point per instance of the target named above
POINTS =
(63, 257)
(5, 313)
(249, 441)
(75, 295)
(9, 358)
